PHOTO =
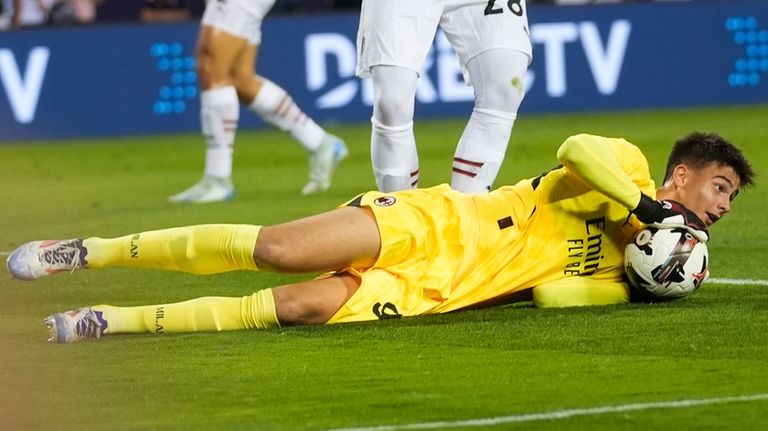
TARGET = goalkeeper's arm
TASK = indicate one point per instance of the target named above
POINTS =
(593, 159)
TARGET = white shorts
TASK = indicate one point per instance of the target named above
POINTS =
(241, 18)
(400, 32)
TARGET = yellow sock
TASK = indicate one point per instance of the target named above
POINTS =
(201, 314)
(201, 249)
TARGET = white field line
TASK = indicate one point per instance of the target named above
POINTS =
(5, 253)
(739, 281)
(562, 414)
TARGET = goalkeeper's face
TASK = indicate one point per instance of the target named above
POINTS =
(707, 190)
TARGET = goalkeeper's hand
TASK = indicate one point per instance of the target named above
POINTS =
(670, 215)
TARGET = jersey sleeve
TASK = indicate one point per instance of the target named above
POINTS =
(580, 291)
(614, 167)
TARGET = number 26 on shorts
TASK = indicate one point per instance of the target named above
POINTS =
(515, 6)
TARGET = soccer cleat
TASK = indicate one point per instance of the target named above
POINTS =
(207, 190)
(75, 325)
(322, 163)
(38, 259)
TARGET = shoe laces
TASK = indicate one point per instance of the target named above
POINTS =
(88, 326)
(64, 255)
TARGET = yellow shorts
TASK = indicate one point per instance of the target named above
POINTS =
(442, 250)
(422, 247)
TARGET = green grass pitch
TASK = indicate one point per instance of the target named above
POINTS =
(495, 364)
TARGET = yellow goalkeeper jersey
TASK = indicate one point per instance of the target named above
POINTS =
(566, 227)
(443, 250)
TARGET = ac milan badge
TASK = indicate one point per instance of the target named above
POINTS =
(385, 201)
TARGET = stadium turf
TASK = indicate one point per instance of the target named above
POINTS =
(698, 363)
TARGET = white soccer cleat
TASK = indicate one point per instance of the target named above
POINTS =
(38, 259)
(75, 325)
(322, 163)
(207, 190)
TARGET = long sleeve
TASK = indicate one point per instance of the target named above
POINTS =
(611, 166)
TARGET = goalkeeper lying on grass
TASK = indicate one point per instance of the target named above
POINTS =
(558, 238)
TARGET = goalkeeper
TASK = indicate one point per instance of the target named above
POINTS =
(557, 239)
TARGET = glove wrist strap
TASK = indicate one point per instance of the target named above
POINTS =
(647, 210)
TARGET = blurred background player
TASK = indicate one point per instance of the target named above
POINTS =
(227, 48)
(34, 13)
(27, 13)
(494, 49)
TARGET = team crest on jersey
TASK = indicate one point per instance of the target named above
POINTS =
(385, 201)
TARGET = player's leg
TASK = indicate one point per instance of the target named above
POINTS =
(226, 31)
(494, 50)
(315, 301)
(393, 146)
(309, 302)
(393, 40)
(219, 114)
(347, 237)
(342, 238)
(497, 78)
(275, 106)
(199, 249)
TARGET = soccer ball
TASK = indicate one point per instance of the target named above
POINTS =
(666, 263)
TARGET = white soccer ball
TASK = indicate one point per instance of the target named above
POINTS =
(666, 263)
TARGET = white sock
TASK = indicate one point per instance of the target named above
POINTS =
(394, 156)
(277, 108)
(219, 114)
(481, 150)
(497, 76)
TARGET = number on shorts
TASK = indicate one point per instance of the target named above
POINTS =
(515, 6)
(386, 311)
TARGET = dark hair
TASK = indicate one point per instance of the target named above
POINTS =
(698, 149)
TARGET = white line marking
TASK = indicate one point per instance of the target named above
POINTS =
(5, 253)
(562, 414)
(739, 281)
